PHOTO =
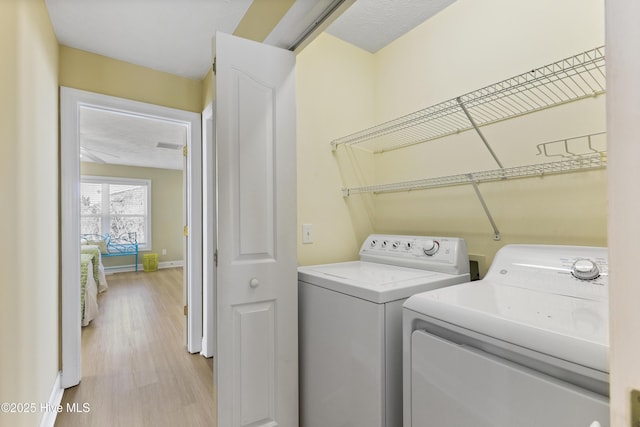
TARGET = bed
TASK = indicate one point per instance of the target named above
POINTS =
(93, 280)
(98, 269)
(110, 246)
(88, 289)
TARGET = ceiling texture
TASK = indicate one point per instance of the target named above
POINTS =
(176, 36)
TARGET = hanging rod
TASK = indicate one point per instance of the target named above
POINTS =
(570, 79)
(579, 163)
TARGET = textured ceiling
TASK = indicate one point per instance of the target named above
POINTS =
(117, 138)
(373, 24)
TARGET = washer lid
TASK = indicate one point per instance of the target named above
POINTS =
(376, 282)
(567, 327)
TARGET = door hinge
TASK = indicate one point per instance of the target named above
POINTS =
(215, 258)
(184, 151)
(213, 66)
(186, 230)
(186, 310)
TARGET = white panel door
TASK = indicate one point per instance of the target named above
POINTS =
(256, 364)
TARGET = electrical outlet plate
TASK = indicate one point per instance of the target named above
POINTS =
(635, 408)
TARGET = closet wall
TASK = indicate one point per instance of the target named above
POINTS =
(468, 46)
(335, 94)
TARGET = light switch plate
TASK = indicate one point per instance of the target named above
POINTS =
(307, 233)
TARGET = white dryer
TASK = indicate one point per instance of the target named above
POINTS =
(525, 346)
(350, 326)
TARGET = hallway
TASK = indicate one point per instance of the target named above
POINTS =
(135, 367)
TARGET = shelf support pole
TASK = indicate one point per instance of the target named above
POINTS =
(496, 232)
(475, 126)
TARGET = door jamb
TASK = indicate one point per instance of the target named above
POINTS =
(209, 231)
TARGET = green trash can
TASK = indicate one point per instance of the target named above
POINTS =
(150, 262)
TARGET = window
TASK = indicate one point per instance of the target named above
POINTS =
(116, 206)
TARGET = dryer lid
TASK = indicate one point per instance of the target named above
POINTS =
(531, 299)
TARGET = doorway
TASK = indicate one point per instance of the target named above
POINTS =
(72, 101)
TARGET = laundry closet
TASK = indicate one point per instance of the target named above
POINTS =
(486, 122)
(345, 92)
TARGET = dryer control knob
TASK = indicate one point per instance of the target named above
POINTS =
(430, 247)
(585, 269)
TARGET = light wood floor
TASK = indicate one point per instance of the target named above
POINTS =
(136, 370)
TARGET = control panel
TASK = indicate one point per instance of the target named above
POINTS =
(579, 271)
(443, 254)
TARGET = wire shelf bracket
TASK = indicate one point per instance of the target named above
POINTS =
(474, 184)
(479, 132)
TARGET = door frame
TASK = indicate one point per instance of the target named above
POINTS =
(71, 100)
(209, 231)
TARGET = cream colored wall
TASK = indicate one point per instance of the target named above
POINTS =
(166, 208)
(335, 96)
(261, 17)
(467, 46)
(208, 89)
(472, 44)
(99, 74)
(29, 249)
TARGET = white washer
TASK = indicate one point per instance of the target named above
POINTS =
(350, 328)
(525, 346)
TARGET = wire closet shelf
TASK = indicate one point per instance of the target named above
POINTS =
(571, 79)
(580, 153)
(585, 162)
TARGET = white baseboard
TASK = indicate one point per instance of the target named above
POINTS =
(171, 264)
(132, 267)
(50, 414)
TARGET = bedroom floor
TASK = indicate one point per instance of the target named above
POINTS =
(135, 367)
